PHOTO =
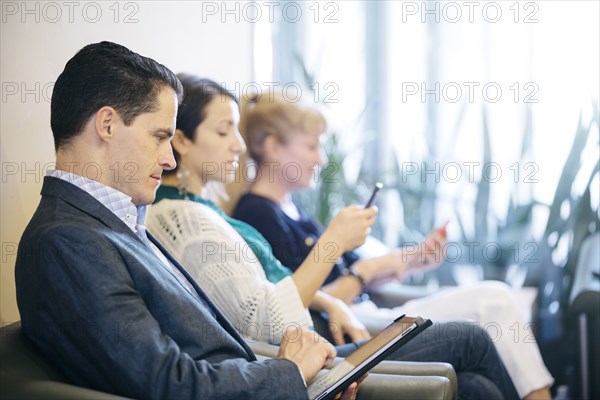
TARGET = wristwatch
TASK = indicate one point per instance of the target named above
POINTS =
(354, 273)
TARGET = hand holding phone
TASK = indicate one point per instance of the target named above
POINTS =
(442, 229)
(376, 189)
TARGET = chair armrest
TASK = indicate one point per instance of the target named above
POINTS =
(421, 369)
(392, 387)
(26, 374)
(412, 368)
(15, 388)
(416, 369)
(404, 368)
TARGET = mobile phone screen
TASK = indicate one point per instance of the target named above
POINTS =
(378, 186)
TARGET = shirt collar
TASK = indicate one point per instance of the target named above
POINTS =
(117, 202)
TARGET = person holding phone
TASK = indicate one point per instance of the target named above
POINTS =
(284, 141)
(228, 258)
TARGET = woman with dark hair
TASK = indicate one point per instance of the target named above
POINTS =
(207, 146)
(228, 258)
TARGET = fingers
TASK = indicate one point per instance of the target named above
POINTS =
(309, 351)
(331, 353)
(433, 248)
(371, 214)
(435, 237)
(361, 334)
(352, 390)
(337, 334)
(442, 230)
(361, 379)
(357, 333)
(351, 226)
(372, 211)
(368, 213)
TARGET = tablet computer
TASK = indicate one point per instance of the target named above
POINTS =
(394, 336)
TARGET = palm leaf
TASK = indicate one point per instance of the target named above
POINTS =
(483, 187)
(568, 174)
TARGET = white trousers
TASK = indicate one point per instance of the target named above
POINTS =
(492, 305)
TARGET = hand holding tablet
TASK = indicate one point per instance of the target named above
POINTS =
(366, 357)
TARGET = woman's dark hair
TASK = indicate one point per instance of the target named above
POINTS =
(106, 74)
(198, 92)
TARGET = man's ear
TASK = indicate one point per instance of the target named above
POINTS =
(180, 142)
(104, 122)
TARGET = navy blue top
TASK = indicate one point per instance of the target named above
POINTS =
(291, 240)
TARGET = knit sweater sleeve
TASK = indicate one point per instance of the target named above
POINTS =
(225, 266)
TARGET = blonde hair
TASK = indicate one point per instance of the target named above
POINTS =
(314, 121)
(266, 115)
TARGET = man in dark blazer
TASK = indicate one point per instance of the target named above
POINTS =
(97, 294)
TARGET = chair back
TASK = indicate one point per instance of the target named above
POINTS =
(26, 373)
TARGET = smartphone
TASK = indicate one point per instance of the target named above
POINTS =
(378, 186)
(442, 229)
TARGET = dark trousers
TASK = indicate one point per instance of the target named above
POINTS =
(467, 347)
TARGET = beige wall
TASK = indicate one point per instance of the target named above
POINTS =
(33, 53)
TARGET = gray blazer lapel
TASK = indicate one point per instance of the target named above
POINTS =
(220, 317)
(85, 202)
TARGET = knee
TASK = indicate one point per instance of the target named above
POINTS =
(466, 335)
(482, 337)
(496, 290)
(496, 300)
(478, 331)
(469, 335)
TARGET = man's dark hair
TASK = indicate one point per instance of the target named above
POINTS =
(106, 74)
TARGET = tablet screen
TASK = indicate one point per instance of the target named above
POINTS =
(366, 357)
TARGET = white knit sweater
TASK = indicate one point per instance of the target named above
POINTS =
(225, 266)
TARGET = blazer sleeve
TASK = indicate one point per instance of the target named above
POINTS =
(81, 307)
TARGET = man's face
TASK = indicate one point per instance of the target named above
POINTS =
(140, 152)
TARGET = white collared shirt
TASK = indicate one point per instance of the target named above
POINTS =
(133, 216)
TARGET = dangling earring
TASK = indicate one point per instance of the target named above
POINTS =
(183, 184)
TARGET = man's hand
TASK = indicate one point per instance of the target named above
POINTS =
(352, 390)
(343, 322)
(309, 351)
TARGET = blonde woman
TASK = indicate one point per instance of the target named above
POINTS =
(284, 140)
